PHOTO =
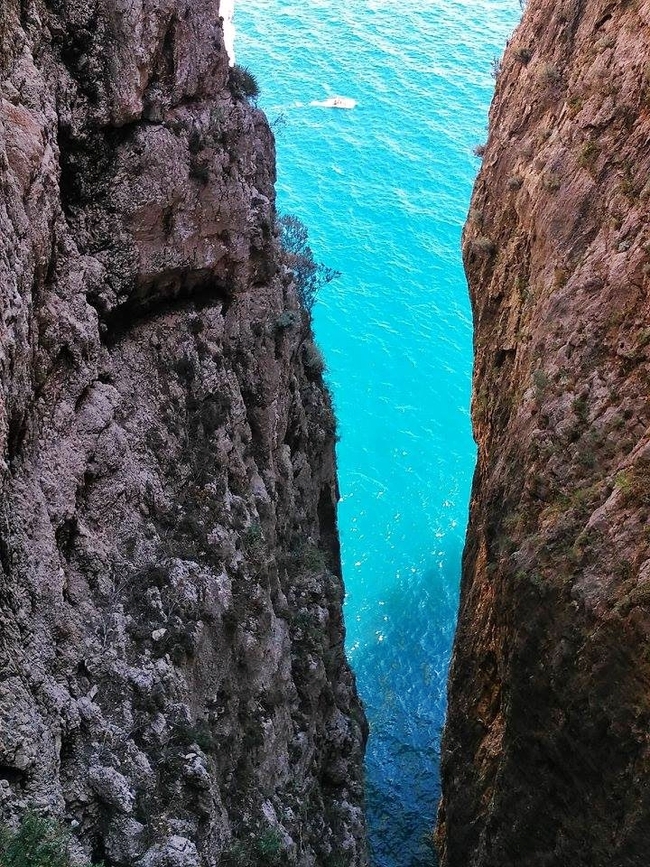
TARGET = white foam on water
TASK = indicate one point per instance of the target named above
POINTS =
(227, 12)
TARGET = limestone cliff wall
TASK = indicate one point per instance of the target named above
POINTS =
(546, 753)
(173, 684)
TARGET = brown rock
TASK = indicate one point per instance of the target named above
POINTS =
(545, 758)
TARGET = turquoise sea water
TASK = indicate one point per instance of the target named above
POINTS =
(384, 190)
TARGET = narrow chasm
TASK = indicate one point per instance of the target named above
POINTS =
(382, 177)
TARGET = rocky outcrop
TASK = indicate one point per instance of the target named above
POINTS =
(546, 751)
(173, 683)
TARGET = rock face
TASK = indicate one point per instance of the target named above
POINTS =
(172, 674)
(546, 752)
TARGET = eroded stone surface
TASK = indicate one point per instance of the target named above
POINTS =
(545, 758)
(173, 677)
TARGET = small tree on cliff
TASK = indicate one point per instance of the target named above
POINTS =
(243, 84)
(310, 276)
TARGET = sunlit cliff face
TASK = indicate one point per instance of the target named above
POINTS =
(548, 699)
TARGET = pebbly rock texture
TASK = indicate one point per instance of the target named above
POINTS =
(546, 757)
(172, 676)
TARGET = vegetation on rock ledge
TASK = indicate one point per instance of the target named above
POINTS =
(243, 84)
(37, 842)
(310, 276)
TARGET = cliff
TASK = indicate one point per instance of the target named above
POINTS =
(545, 758)
(173, 684)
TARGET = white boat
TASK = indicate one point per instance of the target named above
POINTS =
(335, 102)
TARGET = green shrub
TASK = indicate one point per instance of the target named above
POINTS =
(287, 319)
(37, 842)
(310, 276)
(184, 734)
(540, 381)
(549, 73)
(483, 245)
(243, 84)
(266, 850)
(312, 557)
(269, 847)
(313, 358)
(523, 55)
(588, 154)
(236, 855)
(581, 409)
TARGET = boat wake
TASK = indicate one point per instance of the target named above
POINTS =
(335, 102)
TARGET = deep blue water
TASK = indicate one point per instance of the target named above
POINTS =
(384, 189)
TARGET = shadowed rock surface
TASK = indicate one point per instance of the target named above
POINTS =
(546, 754)
(172, 674)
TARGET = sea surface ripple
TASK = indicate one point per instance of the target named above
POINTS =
(384, 189)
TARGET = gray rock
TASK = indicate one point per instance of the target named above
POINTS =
(153, 532)
(174, 852)
(125, 841)
(111, 787)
